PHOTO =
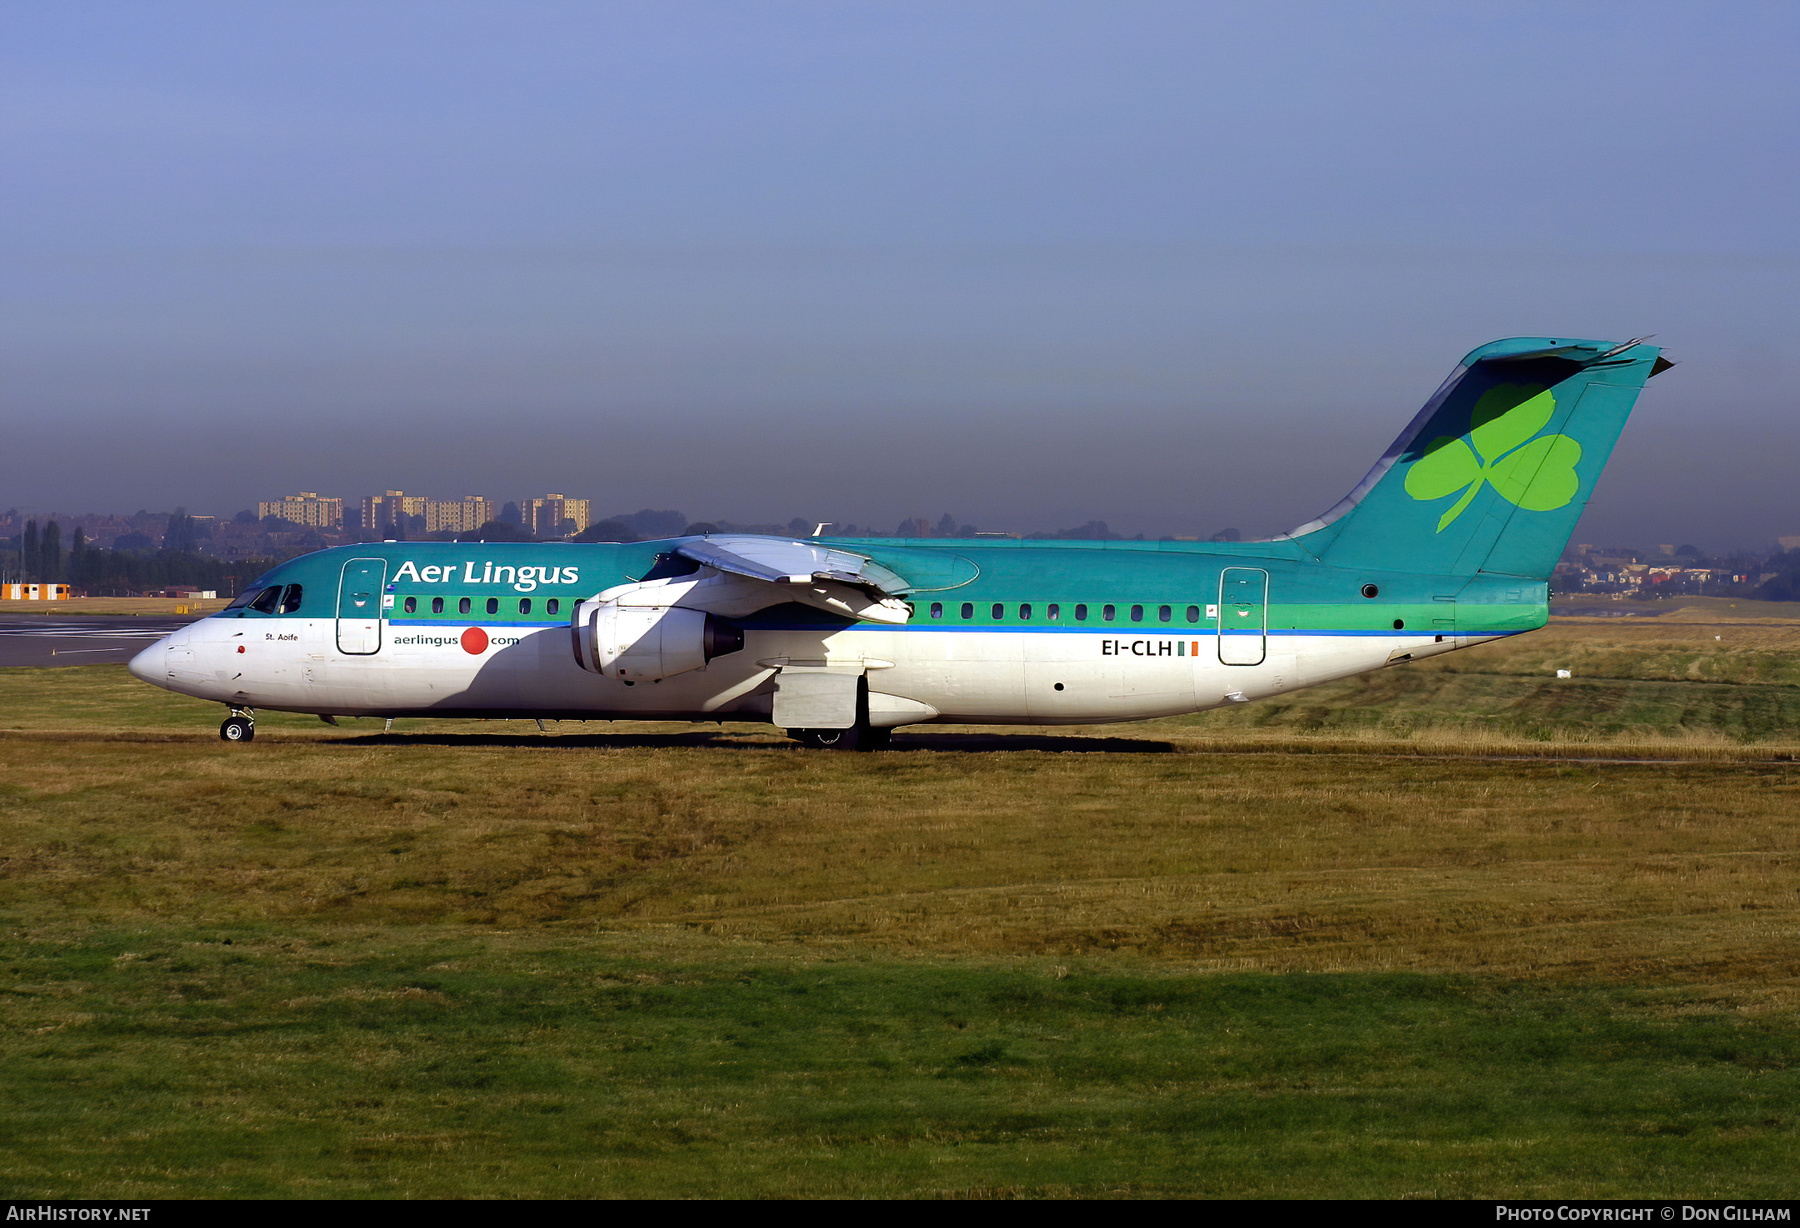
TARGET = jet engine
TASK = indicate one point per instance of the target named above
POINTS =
(642, 643)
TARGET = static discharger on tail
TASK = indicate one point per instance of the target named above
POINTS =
(1449, 541)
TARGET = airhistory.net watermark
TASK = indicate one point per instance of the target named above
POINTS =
(51, 1213)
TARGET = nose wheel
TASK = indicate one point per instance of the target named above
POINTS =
(240, 726)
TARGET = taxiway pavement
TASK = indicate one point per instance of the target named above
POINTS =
(52, 640)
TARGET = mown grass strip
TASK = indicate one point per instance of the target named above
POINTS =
(169, 1064)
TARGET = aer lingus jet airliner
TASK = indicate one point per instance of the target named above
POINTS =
(1448, 542)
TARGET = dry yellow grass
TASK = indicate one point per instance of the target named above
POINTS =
(1689, 644)
(1200, 859)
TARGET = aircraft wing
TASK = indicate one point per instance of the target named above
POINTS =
(839, 580)
(780, 560)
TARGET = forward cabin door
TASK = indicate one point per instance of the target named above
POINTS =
(359, 606)
(1243, 615)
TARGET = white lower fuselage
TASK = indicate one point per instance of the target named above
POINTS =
(914, 674)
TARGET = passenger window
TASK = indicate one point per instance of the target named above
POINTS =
(462, 607)
(968, 610)
(493, 605)
(1052, 611)
(437, 605)
(999, 611)
(412, 605)
(1137, 613)
(1025, 613)
(1163, 613)
(1106, 612)
(524, 605)
(1081, 613)
(265, 600)
(290, 599)
(552, 606)
(1193, 613)
(937, 609)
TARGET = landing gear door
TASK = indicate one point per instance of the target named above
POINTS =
(359, 606)
(1243, 615)
(818, 697)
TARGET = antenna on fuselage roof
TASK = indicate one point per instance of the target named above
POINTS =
(823, 525)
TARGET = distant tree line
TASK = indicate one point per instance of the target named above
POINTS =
(138, 567)
(36, 556)
(1784, 585)
(112, 573)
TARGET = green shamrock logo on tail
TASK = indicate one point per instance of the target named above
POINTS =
(1535, 474)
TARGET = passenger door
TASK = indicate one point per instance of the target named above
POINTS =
(359, 606)
(1243, 615)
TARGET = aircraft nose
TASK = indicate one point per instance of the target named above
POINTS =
(148, 664)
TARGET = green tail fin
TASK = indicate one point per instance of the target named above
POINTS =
(1493, 473)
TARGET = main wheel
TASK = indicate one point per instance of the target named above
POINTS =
(237, 729)
(829, 739)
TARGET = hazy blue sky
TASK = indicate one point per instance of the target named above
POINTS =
(1176, 266)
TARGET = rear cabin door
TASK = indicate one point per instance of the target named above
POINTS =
(359, 606)
(1243, 615)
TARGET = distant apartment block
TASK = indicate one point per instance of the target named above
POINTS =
(381, 513)
(555, 516)
(305, 508)
(463, 515)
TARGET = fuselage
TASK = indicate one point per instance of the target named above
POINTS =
(1000, 631)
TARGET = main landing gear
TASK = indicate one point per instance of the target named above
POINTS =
(240, 726)
(858, 737)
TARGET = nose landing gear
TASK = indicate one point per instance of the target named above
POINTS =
(240, 726)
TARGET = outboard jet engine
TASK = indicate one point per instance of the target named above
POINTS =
(634, 642)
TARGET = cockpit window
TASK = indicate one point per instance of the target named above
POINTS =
(244, 598)
(265, 600)
(290, 599)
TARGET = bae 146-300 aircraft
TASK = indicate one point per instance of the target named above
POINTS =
(1448, 542)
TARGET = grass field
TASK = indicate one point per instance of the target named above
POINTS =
(1457, 929)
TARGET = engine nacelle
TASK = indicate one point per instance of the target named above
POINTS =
(641, 643)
